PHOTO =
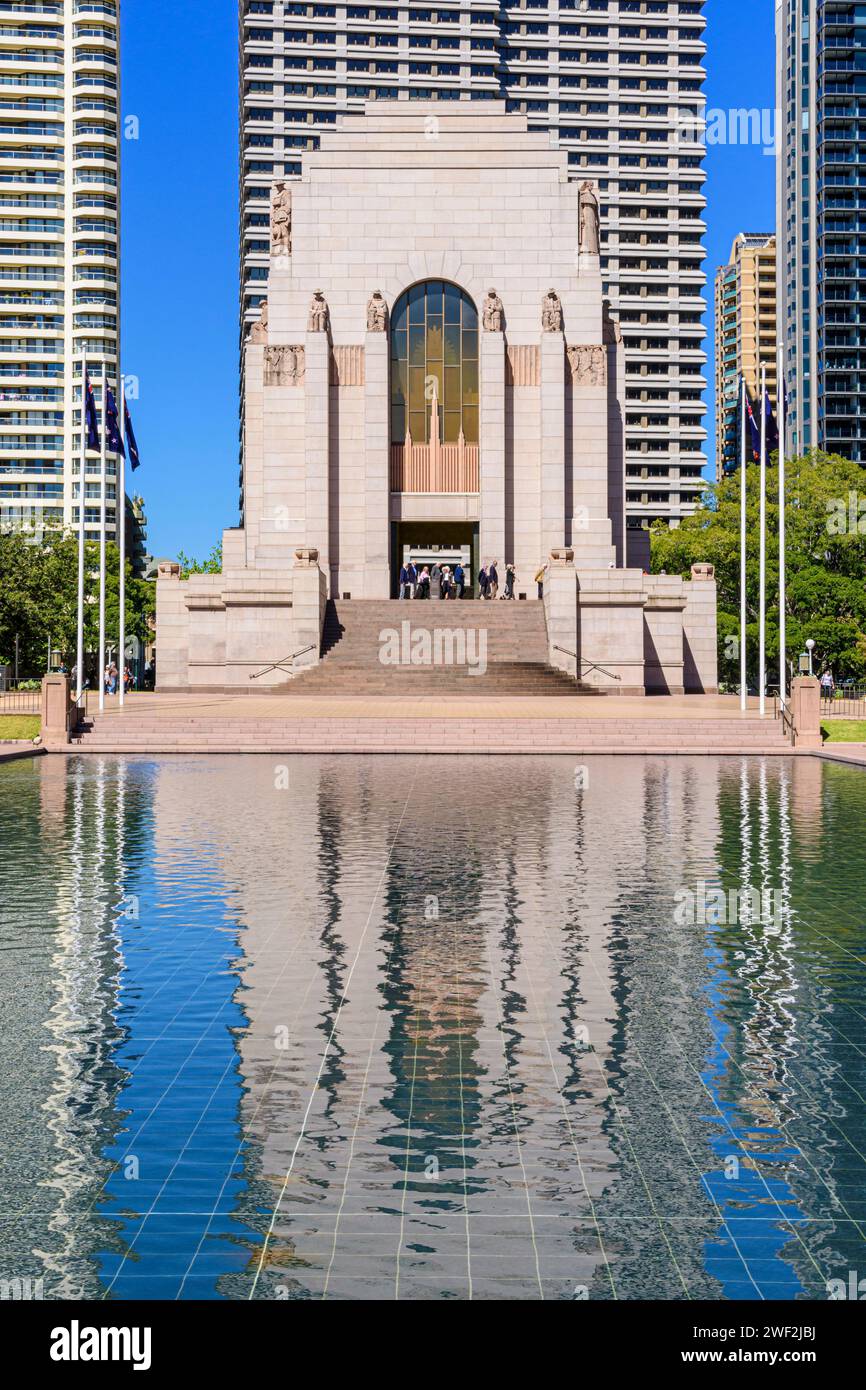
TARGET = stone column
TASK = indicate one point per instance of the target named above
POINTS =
(309, 596)
(377, 490)
(317, 447)
(552, 442)
(55, 711)
(492, 433)
(560, 611)
(806, 711)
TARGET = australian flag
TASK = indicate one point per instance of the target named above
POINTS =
(90, 417)
(772, 427)
(134, 458)
(113, 437)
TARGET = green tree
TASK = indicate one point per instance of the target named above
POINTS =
(39, 599)
(212, 565)
(825, 521)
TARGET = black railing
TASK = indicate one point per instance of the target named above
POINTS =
(20, 697)
(844, 701)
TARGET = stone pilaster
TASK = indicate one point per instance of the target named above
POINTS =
(377, 580)
(317, 447)
(492, 432)
(552, 442)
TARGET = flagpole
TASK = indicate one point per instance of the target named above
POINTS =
(762, 618)
(121, 503)
(783, 626)
(743, 427)
(102, 525)
(79, 648)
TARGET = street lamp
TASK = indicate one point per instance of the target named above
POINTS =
(810, 647)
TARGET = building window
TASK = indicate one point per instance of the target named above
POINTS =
(434, 339)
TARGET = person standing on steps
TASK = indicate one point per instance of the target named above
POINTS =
(539, 579)
(483, 582)
(510, 580)
(436, 581)
(493, 576)
(423, 589)
(459, 580)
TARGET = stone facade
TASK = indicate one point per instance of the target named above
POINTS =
(389, 202)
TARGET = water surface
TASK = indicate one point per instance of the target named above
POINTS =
(431, 1028)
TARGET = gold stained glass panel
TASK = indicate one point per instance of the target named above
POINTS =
(434, 334)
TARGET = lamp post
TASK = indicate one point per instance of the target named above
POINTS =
(810, 647)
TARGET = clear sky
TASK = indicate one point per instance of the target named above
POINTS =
(180, 239)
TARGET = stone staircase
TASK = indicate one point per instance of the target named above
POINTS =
(355, 645)
(343, 726)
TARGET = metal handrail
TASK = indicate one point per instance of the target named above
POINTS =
(587, 665)
(285, 664)
(782, 710)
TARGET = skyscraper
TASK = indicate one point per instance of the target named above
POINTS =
(820, 203)
(745, 337)
(59, 243)
(610, 79)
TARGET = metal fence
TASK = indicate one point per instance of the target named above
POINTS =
(843, 702)
(16, 699)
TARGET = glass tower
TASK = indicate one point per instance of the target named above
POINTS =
(821, 215)
(59, 244)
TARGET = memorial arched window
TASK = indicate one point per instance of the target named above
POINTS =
(434, 351)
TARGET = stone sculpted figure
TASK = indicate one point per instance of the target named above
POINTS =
(589, 220)
(588, 364)
(551, 313)
(281, 220)
(377, 313)
(285, 365)
(318, 319)
(259, 331)
(492, 313)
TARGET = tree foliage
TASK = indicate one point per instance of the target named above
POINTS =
(212, 565)
(825, 521)
(39, 599)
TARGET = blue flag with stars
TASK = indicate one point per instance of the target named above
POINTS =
(134, 457)
(91, 419)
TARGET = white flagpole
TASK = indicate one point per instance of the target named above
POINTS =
(743, 428)
(79, 650)
(121, 537)
(762, 618)
(102, 524)
(783, 626)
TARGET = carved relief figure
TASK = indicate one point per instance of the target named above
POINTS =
(281, 220)
(259, 331)
(492, 313)
(589, 220)
(588, 364)
(551, 313)
(318, 319)
(377, 313)
(285, 366)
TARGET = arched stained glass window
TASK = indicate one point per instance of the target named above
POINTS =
(434, 339)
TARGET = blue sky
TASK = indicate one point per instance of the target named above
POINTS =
(180, 237)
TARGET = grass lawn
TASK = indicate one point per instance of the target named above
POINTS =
(14, 726)
(844, 730)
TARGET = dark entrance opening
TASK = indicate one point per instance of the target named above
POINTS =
(429, 542)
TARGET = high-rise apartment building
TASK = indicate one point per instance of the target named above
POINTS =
(59, 244)
(616, 82)
(745, 329)
(821, 221)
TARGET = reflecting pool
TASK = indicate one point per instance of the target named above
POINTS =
(430, 1028)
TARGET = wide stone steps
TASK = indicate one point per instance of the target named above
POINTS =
(471, 732)
(500, 648)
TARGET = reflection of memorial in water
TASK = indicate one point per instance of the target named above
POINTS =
(469, 1003)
